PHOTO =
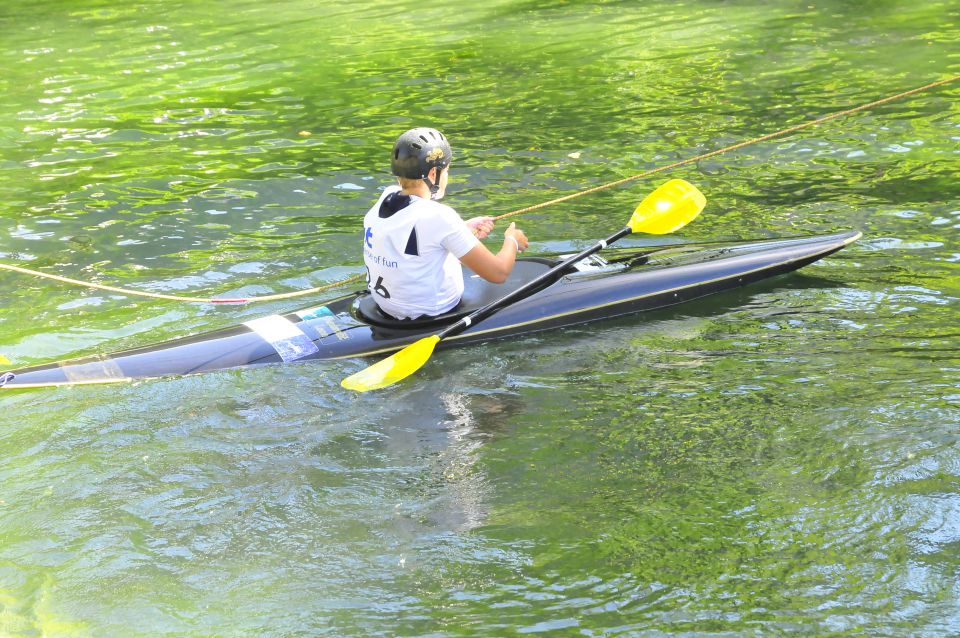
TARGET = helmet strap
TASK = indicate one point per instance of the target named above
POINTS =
(434, 187)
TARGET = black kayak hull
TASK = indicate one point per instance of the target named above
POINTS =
(632, 281)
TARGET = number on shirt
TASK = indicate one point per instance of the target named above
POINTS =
(380, 290)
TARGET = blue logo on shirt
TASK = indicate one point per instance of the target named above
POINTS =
(368, 236)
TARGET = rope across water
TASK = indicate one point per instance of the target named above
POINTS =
(520, 211)
(157, 295)
(733, 147)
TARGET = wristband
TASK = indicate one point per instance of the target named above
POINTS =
(515, 241)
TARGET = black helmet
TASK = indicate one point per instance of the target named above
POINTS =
(417, 151)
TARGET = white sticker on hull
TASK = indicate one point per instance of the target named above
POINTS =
(286, 338)
(89, 369)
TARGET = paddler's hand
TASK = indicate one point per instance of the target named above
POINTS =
(481, 226)
(516, 235)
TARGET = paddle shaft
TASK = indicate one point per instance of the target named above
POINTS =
(530, 287)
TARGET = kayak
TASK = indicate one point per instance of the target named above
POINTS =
(625, 282)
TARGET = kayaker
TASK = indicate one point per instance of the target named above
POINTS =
(413, 245)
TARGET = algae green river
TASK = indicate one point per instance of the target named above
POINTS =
(779, 460)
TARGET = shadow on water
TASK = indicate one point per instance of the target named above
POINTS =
(430, 440)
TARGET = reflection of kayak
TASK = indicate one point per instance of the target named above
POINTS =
(629, 281)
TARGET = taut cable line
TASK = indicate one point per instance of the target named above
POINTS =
(733, 147)
(519, 211)
(157, 295)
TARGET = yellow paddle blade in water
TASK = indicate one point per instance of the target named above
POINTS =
(674, 205)
(399, 365)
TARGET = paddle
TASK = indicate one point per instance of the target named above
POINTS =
(672, 206)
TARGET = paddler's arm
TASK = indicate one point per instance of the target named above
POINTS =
(496, 268)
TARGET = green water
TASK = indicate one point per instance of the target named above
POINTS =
(783, 459)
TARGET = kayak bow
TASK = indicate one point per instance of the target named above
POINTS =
(630, 281)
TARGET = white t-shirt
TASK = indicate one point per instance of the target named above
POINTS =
(412, 248)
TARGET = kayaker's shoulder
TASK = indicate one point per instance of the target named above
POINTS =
(437, 209)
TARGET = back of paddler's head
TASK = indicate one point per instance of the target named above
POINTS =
(419, 150)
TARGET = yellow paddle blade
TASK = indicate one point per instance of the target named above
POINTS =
(4, 361)
(674, 205)
(399, 365)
